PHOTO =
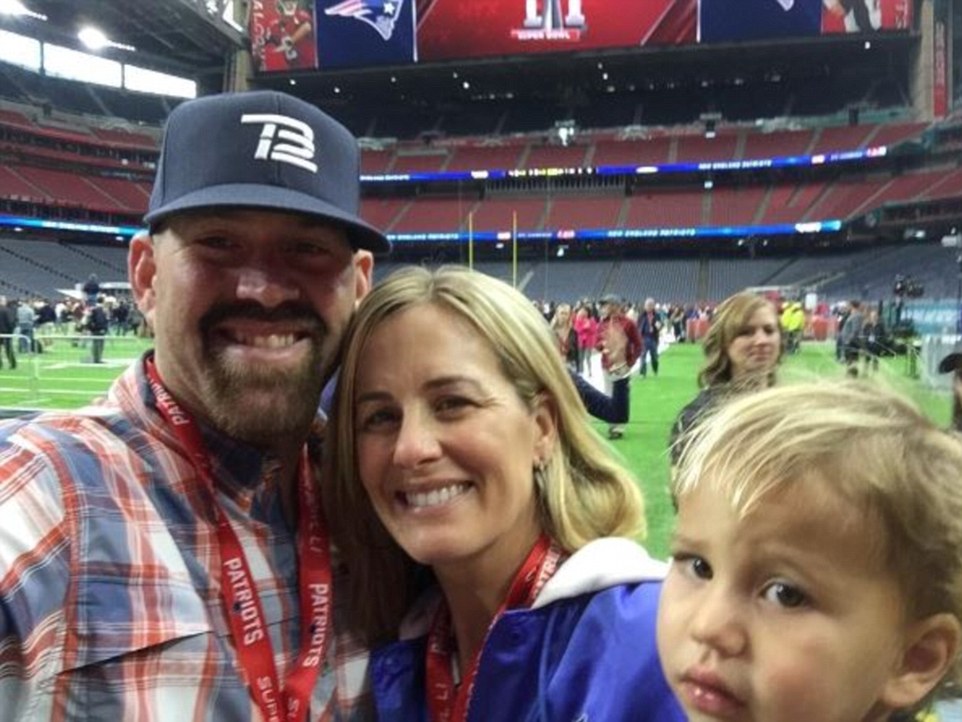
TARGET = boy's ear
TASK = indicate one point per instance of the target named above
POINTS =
(932, 646)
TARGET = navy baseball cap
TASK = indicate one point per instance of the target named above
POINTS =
(261, 149)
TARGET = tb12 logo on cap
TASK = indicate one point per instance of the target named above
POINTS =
(284, 139)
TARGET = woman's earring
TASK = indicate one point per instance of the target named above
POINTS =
(539, 476)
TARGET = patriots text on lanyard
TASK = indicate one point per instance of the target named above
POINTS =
(244, 602)
(320, 603)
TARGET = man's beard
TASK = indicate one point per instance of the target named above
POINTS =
(259, 404)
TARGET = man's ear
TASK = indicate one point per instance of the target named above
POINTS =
(363, 274)
(932, 646)
(141, 269)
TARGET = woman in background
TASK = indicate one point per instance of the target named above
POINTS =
(586, 326)
(563, 327)
(742, 347)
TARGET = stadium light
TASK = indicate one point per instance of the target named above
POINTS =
(95, 39)
(15, 7)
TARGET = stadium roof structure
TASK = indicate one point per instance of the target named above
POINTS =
(582, 78)
(191, 38)
(177, 36)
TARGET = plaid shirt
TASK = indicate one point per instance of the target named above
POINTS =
(110, 604)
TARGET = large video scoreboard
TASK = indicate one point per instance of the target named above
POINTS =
(304, 34)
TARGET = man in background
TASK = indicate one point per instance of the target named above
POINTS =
(97, 323)
(649, 326)
(26, 318)
(8, 326)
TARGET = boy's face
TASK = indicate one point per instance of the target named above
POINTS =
(785, 614)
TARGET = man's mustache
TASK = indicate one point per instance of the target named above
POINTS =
(252, 311)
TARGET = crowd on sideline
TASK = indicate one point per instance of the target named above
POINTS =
(863, 331)
(31, 324)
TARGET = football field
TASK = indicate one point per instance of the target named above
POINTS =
(64, 377)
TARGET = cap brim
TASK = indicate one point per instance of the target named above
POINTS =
(248, 195)
(950, 363)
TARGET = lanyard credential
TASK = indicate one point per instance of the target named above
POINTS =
(239, 591)
(447, 702)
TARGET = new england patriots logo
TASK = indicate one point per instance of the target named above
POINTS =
(379, 14)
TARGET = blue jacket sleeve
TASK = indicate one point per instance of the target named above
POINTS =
(613, 409)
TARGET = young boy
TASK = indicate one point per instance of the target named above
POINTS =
(817, 559)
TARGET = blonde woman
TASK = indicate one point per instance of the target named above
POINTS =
(562, 323)
(742, 348)
(487, 528)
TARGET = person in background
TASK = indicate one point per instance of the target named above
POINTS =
(91, 289)
(586, 326)
(841, 312)
(952, 364)
(563, 327)
(851, 337)
(163, 554)
(60, 324)
(96, 323)
(649, 326)
(8, 327)
(873, 342)
(616, 407)
(26, 318)
(817, 559)
(676, 317)
(46, 316)
(793, 326)
(612, 314)
(484, 520)
(742, 346)
(120, 317)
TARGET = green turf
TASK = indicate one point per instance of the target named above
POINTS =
(65, 378)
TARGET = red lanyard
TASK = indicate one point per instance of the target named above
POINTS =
(238, 588)
(446, 703)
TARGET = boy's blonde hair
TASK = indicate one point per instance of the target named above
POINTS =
(865, 443)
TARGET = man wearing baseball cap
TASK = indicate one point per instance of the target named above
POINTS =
(164, 555)
(952, 364)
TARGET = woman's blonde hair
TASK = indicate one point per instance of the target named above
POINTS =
(584, 492)
(866, 444)
(729, 319)
(556, 323)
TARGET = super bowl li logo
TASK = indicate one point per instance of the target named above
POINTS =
(546, 20)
